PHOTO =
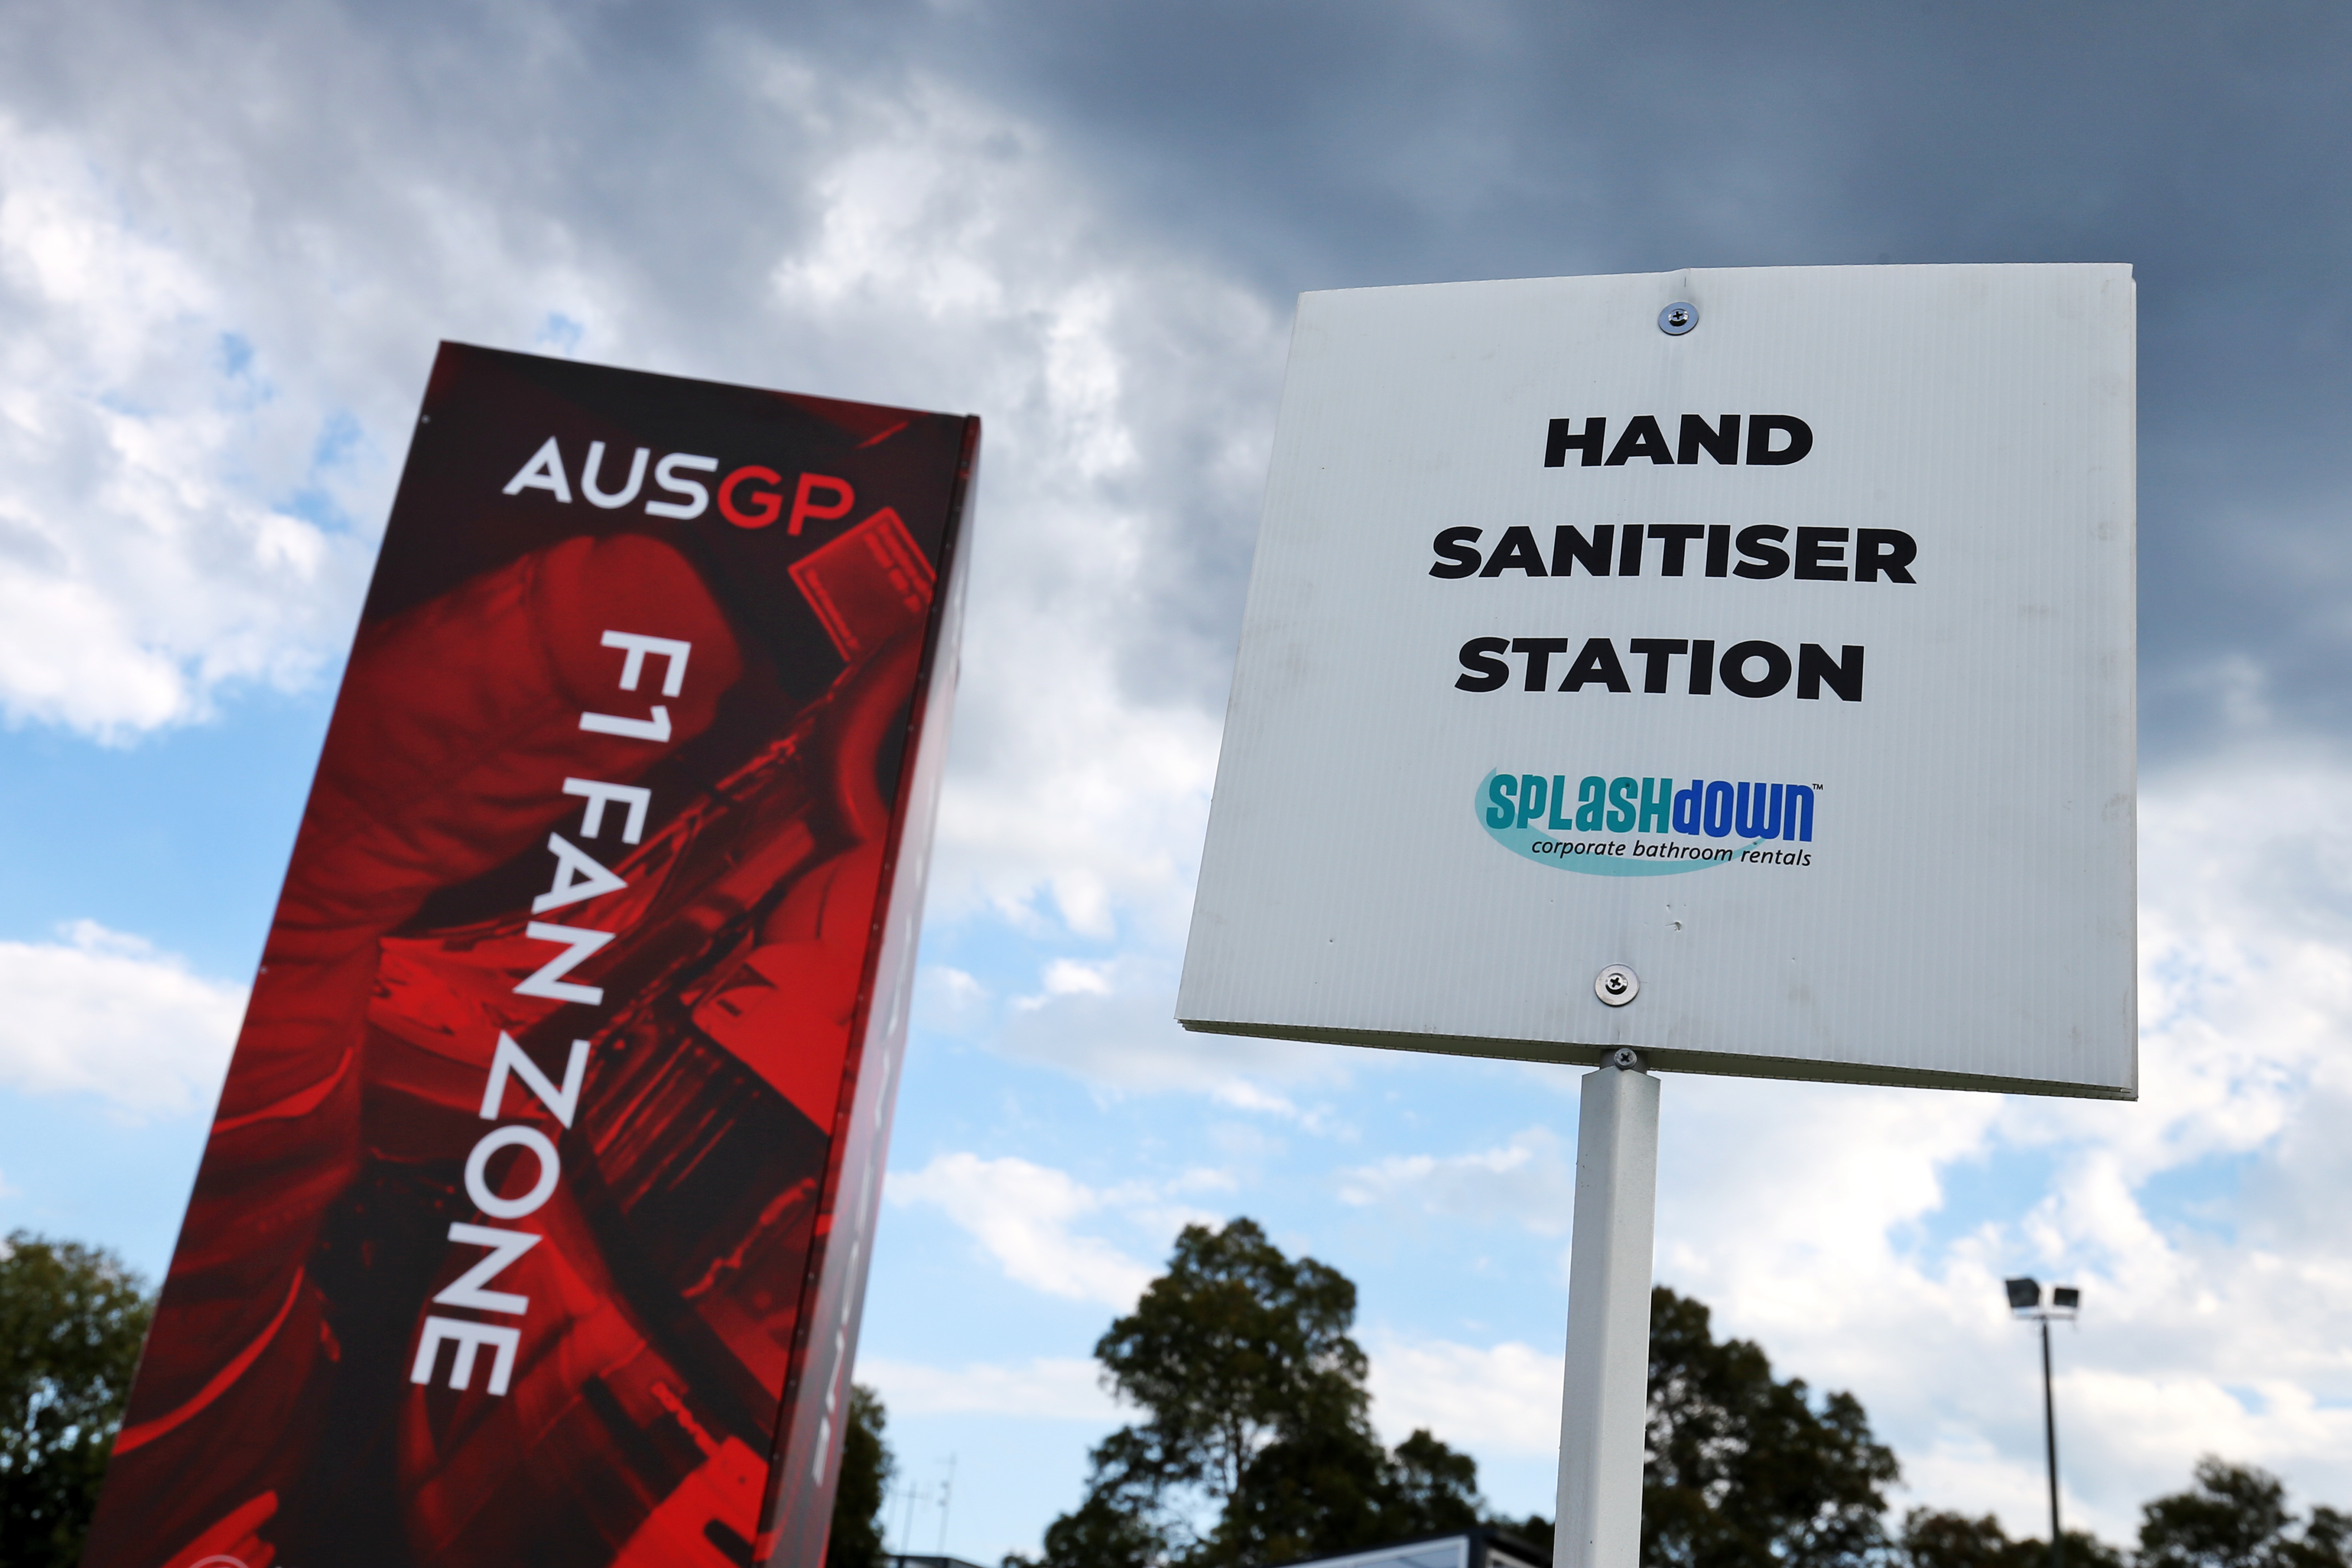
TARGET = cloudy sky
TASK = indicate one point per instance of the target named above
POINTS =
(231, 235)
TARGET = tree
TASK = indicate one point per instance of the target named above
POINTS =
(2325, 1541)
(1431, 1489)
(1257, 1449)
(2237, 1517)
(1536, 1530)
(1933, 1539)
(867, 1463)
(1257, 1452)
(1744, 1468)
(71, 1321)
(1234, 1344)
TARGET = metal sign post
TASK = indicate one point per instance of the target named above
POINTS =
(1604, 1399)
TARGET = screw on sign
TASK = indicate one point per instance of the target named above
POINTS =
(1616, 986)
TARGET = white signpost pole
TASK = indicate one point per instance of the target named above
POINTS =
(1604, 1399)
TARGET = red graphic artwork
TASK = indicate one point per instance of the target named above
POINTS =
(533, 1222)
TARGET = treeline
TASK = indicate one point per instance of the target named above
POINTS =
(71, 1321)
(1256, 1448)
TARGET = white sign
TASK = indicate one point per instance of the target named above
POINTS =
(1754, 690)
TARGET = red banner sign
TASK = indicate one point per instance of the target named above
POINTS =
(534, 1221)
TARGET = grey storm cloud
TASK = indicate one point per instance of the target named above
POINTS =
(1332, 146)
(668, 149)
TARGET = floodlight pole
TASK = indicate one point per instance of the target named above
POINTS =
(2050, 1438)
(1604, 1399)
(2026, 1300)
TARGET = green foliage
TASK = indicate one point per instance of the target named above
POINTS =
(1257, 1449)
(2234, 1517)
(1312, 1490)
(2325, 1541)
(1935, 1539)
(2237, 1517)
(1932, 1539)
(856, 1541)
(1105, 1533)
(1257, 1452)
(1744, 1468)
(1433, 1490)
(1233, 1344)
(71, 1321)
(1535, 1529)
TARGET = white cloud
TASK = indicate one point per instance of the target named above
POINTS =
(1498, 1399)
(214, 339)
(107, 1015)
(149, 551)
(1026, 1217)
(1068, 977)
(2204, 1224)
(952, 255)
(1055, 1388)
(952, 1001)
(1204, 1179)
(1112, 1023)
(1022, 1215)
(1129, 392)
(1527, 1180)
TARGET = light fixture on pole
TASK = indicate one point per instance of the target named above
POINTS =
(2025, 1302)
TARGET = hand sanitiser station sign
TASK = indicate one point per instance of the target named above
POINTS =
(1732, 665)
(1724, 671)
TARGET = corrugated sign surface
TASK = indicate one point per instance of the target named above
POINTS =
(1786, 661)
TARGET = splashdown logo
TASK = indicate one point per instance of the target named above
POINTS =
(1629, 827)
